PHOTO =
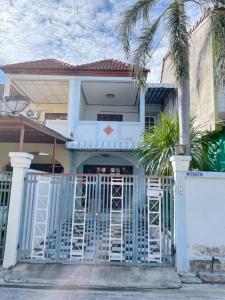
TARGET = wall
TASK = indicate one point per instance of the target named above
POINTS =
(152, 109)
(89, 112)
(62, 155)
(205, 211)
(49, 108)
(170, 107)
(201, 76)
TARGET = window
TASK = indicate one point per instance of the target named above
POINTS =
(149, 121)
(55, 116)
(109, 117)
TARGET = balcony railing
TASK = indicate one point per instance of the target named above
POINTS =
(106, 135)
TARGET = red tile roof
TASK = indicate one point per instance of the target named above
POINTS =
(107, 67)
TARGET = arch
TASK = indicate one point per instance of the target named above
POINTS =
(104, 158)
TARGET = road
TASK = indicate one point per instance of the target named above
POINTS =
(193, 292)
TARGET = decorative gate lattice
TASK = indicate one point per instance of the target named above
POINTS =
(5, 188)
(97, 219)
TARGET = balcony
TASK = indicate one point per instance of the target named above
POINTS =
(107, 135)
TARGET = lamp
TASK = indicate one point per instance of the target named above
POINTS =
(180, 149)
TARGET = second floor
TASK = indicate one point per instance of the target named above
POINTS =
(97, 105)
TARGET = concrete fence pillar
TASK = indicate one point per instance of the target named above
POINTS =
(180, 166)
(20, 162)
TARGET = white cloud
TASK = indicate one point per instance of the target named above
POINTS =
(76, 31)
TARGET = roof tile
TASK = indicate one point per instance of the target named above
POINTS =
(54, 66)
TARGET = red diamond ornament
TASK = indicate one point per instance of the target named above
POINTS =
(108, 130)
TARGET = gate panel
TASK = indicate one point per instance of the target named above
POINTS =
(97, 219)
(5, 188)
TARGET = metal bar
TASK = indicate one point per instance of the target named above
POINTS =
(53, 156)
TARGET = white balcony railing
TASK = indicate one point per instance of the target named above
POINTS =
(106, 135)
(61, 126)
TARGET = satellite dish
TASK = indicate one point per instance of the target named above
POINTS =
(14, 105)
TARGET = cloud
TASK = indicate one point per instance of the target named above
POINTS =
(76, 31)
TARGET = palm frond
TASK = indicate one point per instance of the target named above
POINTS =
(144, 48)
(158, 145)
(178, 38)
(130, 18)
(218, 30)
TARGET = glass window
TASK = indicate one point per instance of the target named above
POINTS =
(109, 117)
(149, 121)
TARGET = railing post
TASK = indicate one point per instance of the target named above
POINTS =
(180, 166)
(20, 162)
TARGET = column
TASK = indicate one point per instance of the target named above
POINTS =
(180, 166)
(142, 108)
(20, 161)
(73, 105)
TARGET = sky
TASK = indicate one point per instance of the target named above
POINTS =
(74, 31)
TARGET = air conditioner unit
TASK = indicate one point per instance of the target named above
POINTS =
(31, 113)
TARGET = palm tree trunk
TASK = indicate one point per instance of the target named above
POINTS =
(184, 98)
(184, 112)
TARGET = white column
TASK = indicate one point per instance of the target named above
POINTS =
(142, 108)
(73, 105)
(180, 167)
(20, 162)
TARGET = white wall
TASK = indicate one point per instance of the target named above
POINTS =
(89, 112)
(205, 211)
(153, 109)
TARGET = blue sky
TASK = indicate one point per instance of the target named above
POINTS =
(75, 31)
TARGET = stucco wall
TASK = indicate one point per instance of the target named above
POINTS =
(89, 112)
(205, 213)
(62, 155)
(43, 108)
(201, 76)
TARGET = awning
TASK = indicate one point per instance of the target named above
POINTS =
(159, 93)
(11, 129)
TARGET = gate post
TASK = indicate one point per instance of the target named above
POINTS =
(20, 161)
(180, 166)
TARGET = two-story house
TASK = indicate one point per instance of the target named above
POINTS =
(91, 116)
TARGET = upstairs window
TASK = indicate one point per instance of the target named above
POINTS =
(149, 121)
(55, 116)
(109, 117)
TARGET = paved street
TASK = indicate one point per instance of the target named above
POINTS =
(194, 292)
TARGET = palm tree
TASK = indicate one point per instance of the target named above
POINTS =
(158, 144)
(172, 17)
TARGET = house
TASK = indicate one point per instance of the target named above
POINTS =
(95, 111)
(82, 126)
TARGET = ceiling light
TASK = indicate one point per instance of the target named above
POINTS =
(110, 96)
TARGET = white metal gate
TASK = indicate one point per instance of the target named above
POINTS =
(97, 219)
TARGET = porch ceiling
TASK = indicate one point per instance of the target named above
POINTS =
(43, 91)
(125, 93)
(34, 132)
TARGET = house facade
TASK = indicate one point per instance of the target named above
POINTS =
(96, 107)
(90, 202)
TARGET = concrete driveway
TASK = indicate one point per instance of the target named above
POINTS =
(193, 292)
